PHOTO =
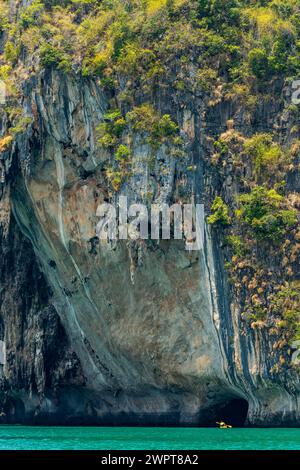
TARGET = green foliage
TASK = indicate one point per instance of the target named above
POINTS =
(110, 134)
(5, 71)
(115, 178)
(122, 153)
(263, 211)
(53, 57)
(274, 50)
(265, 154)
(220, 13)
(4, 21)
(142, 118)
(111, 129)
(49, 55)
(11, 52)
(145, 119)
(221, 147)
(286, 305)
(259, 63)
(220, 213)
(278, 59)
(112, 115)
(135, 59)
(30, 15)
(164, 127)
(237, 245)
(141, 39)
(207, 78)
(284, 8)
(20, 125)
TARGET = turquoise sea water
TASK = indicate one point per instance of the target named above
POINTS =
(109, 438)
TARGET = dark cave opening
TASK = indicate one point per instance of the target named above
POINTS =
(233, 412)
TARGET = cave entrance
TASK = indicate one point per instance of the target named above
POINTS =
(233, 412)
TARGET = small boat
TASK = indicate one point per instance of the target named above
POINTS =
(223, 425)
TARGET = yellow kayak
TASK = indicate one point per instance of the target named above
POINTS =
(223, 425)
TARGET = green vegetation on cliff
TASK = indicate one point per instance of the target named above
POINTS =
(238, 41)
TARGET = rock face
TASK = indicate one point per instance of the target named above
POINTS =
(124, 332)
(37, 354)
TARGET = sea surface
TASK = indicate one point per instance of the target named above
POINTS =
(116, 438)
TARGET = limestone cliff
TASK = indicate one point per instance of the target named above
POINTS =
(130, 332)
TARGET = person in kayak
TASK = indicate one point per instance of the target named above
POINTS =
(223, 425)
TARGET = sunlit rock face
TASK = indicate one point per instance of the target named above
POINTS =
(146, 330)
